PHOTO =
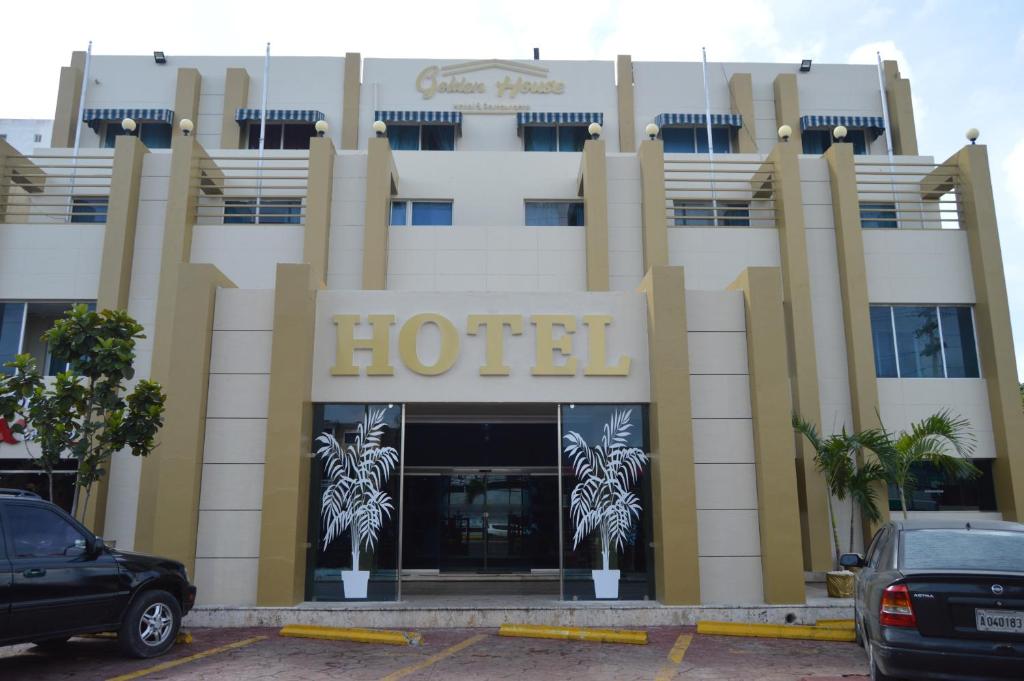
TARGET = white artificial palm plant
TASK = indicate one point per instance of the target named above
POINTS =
(602, 499)
(354, 499)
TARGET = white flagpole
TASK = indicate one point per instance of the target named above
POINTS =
(78, 130)
(711, 149)
(263, 130)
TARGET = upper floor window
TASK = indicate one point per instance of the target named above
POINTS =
(37, 138)
(916, 341)
(421, 137)
(554, 213)
(152, 126)
(89, 209)
(555, 137)
(818, 141)
(270, 211)
(816, 132)
(707, 213)
(154, 135)
(693, 139)
(281, 135)
(878, 215)
(22, 325)
(421, 213)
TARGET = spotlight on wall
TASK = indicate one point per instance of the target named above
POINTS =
(805, 65)
(595, 130)
(651, 130)
(159, 58)
(321, 128)
(187, 126)
(785, 132)
(380, 127)
(972, 135)
(128, 125)
(839, 132)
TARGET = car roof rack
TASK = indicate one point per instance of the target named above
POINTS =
(7, 492)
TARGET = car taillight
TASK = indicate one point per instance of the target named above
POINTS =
(896, 610)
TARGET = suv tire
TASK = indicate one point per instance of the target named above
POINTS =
(151, 624)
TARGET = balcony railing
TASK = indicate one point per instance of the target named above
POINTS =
(908, 195)
(56, 188)
(700, 192)
(239, 188)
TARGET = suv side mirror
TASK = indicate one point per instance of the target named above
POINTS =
(851, 560)
(94, 545)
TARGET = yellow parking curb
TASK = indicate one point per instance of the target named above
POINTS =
(574, 633)
(775, 631)
(395, 638)
(845, 625)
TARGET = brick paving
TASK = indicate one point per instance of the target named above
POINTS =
(708, 658)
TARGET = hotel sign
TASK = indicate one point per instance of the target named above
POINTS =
(462, 79)
(480, 347)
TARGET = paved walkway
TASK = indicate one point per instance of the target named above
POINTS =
(450, 654)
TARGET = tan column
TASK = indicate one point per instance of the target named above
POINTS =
(283, 528)
(787, 105)
(316, 242)
(381, 185)
(673, 492)
(593, 187)
(796, 283)
(350, 101)
(741, 98)
(172, 475)
(853, 289)
(778, 511)
(236, 96)
(116, 266)
(186, 98)
(69, 92)
(627, 117)
(901, 110)
(9, 157)
(654, 212)
(992, 321)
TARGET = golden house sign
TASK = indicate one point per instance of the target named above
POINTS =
(451, 79)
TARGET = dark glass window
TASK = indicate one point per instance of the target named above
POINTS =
(878, 216)
(294, 135)
(956, 549)
(958, 342)
(438, 138)
(297, 135)
(39, 532)
(540, 138)
(817, 140)
(11, 317)
(154, 135)
(89, 209)
(432, 213)
(921, 345)
(694, 214)
(917, 341)
(571, 137)
(404, 137)
(934, 490)
(691, 139)
(882, 340)
(554, 213)
(271, 211)
(25, 474)
(398, 212)
(736, 214)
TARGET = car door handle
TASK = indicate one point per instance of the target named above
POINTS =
(34, 572)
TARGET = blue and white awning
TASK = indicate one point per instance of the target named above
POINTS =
(94, 117)
(870, 122)
(449, 117)
(291, 115)
(549, 117)
(733, 120)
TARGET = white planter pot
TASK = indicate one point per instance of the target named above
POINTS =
(606, 583)
(355, 582)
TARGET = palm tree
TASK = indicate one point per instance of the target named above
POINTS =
(944, 440)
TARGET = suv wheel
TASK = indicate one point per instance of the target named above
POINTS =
(150, 625)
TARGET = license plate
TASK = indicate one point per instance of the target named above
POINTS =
(1005, 621)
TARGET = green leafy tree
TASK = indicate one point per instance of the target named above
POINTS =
(835, 457)
(85, 412)
(943, 440)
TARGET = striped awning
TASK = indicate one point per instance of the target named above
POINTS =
(733, 120)
(94, 117)
(548, 117)
(295, 115)
(450, 117)
(871, 122)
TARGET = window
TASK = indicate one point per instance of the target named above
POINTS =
(25, 473)
(818, 140)
(913, 341)
(421, 137)
(554, 213)
(22, 326)
(974, 550)
(422, 213)
(710, 213)
(271, 211)
(281, 135)
(936, 490)
(554, 137)
(154, 135)
(39, 532)
(878, 215)
(693, 139)
(37, 138)
(89, 209)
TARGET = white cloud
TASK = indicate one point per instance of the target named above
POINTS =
(868, 54)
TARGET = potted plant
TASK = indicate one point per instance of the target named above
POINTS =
(354, 499)
(602, 499)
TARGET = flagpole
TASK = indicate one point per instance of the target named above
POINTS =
(707, 121)
(78, 130)
(263, 131)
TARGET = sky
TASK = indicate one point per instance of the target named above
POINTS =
(964, 59)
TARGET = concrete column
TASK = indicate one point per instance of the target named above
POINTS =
(992, 321)
(787, 106)
(673, 491)
(283, 528)
(901, 110)
(69, 92)
(593, 187)
(350, 103)
(236, 96)
(803, 367)
(627, 117)
(654, 211)
(381, 185)
(778, 511)
(741, 98)
(186, 99)
(320, 182)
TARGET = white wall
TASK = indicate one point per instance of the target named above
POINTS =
(348, 215)
(231, 497)
(21, 133)
(729, 542)
(625, 223)
(930, 266)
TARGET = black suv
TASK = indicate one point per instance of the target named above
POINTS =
(58, 579)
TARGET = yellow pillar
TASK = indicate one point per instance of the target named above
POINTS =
(653, 210)
(350, 101)
(236, 96)
(381, 185)
(901, 110)
(69, 92)
(186, 99)
(319, 185)
(778, 511)
(627, 117)
(593, 187)
(787, 105)
(673, 491)
(741, 97)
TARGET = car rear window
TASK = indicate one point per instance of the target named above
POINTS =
(982, 550)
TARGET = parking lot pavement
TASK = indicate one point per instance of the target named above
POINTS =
(450, 654)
